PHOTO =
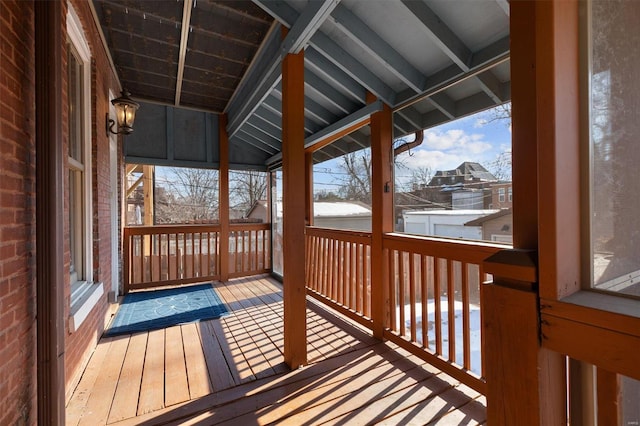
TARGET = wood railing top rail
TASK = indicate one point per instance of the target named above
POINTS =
(339, 234)
(171, 229)
(250, 226)
(198, 227)
(460, 250)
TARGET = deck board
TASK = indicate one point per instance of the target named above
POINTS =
(175, 370)
(219, 372)
(101, 398)
(151, 396)
(231, 371)
(197, 373)
(128, 387)
(82, 392)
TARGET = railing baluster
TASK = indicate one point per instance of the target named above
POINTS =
(366, 281)
(481, 279)
(451, 310)
(412, 296)
(142, 268)
(437, 307)
(343, 278)
(392, 289)
(466, 325)
(424, 296)
(401, 291)
(359, 283)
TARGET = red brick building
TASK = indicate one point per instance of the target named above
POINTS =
(88, 81)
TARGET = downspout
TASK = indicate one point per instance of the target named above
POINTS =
(409, 145)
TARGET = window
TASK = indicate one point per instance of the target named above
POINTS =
(611, 90)
(84, 293)
(510, 194)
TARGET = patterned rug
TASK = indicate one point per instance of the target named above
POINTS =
(151, 310)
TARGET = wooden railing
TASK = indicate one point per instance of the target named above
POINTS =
(180, 254)
(433, 292)
(435, 306)
(339, 270)
(249, 249)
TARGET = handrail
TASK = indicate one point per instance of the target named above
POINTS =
(170, 229)
(178, 254)
(432, 287)
(339, 270)
(454, 249)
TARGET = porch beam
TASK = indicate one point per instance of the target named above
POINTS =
(441, 34)
(182, 53)
(360, 116)
(491, 86)
(370, 41)
(304, 27)
(337, 130)
(223, 198)
(382, 212)
(334, 53)
(294, 209)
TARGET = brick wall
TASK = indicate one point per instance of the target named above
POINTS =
(17, 214)
(17, 210)
(80, 344)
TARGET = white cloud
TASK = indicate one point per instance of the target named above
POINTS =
(445, 150)
(480, 122)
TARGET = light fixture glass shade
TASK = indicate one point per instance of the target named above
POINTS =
(125, 112)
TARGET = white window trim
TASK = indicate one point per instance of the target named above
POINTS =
(87, 293)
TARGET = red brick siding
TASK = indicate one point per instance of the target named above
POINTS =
(17, 214)
(17, 209)
(81, 343)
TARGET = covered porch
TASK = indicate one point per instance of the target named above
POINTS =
(230, 371)
(367, 326)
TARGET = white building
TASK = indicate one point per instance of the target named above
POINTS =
(351, 215)
(444, 223)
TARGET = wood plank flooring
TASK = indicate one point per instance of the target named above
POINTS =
(231, 371)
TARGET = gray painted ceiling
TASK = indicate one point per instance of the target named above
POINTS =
(431, 61)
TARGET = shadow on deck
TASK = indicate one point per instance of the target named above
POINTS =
(230, 371)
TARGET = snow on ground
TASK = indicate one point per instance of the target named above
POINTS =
(474, 323)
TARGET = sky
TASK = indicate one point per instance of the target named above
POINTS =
(475, 138)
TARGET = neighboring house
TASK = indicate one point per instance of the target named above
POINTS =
(496, 227)
(465, 173)
(351, 215)
(502, 195)
(445, 223)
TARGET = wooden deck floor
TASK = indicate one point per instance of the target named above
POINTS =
(230, 371)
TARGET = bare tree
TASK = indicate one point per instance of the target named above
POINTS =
(196, 194)
(356, 179)
(420, 177)
(501, 166)
(501, 113)
(246, 187)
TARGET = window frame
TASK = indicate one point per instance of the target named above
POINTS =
(84, 292)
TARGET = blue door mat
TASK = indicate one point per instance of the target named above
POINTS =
(151, 310)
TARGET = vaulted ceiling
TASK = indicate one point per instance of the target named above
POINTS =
(431, 61)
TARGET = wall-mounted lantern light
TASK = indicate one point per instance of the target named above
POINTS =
(125, 114)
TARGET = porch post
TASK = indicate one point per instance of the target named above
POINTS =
(308, 194)
(223, 198)
(382, 212)
(294, 210)
(49, 39)
(525, 382)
